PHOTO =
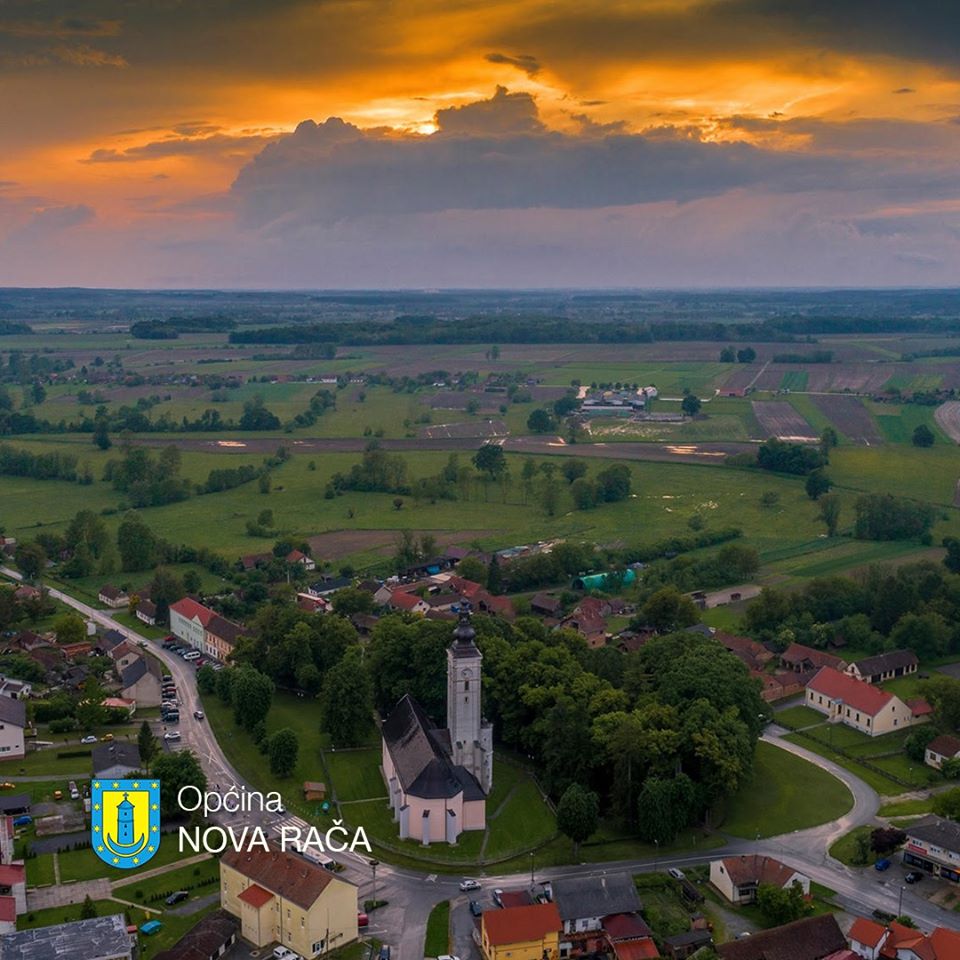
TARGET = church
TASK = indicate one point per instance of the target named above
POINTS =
(438, 780)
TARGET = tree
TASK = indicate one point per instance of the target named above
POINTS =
(947, 804)
(818, 483)
(472, 568)
(175, 771)
(613, 484)
(540, 421)
(886, 839)
(951, 769)
(952, 560)
(691, 405)
(943, 694)
(780, 905)
(923, 436)
(882, 516)
(664, 807)
(148, 745)
(264, 483)
(70, 628)
(88, 909)
(252, 696)
(491, 460)
(927, 634)
(728, 355)
(578, 815)
(207, 679)
(352, 600)
(549, 496)
(348, 699)
(257, 417)
(137, 544)
(746, 355)
(584, 494)
(573, 469)
(862, 853)
(101, 433)
(282, 749)
(828, 440)
(191, 581)
(830, 512)
(31, 559)
(668, 609)
(494, 576)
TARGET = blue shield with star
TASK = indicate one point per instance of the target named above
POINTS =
(125, 821)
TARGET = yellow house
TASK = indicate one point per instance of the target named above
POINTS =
(521, 933)
(281, 898)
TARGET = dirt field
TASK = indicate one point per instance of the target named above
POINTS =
(778, 419)
(947, 416)
(458, 400)
(344, 543)
(477, 428)
(850, 417)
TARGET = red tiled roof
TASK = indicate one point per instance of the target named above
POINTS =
(625, 926)
(797, 653)
(295, 556)
(405, 601)
(946, 943)
(189, 608)
(515, 898)
(644, 949)
(945, 745)
(755, 868)
(521, 924)
(12, 873)
(8, 909)
(867, 932)
(919, 707)
(906, 938)
(256, 896)
(290, 876)
(854, 693)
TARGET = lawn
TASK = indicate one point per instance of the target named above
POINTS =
(86, 865)
(786, 793)
(355, 774)
(906, 808)
(199, 878)
(523, 821)
(796, 717)
(843, 849)
(664, 911)
(438, 930)
(39, 870)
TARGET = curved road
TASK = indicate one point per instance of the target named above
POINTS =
(411, 895)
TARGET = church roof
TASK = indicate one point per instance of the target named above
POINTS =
(419, 758)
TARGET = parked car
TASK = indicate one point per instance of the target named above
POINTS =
(363, 920)
(177, 897)
(57, 794)
(384, 952)
(89, 738)
(172, 735)
(914, 876)
(166, 678)
(192, 655)
(475, 908)
(23, 821)
(468, 884)
(497, 897)
(281, 953)
(106, 738)
(677, 873)
(447, 956)
(74, 792)
(197, 714)
(142, 643)
(882, 865)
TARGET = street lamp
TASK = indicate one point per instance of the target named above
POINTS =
(900, 902)
(373, 866)
(531, 871)
(656, 856)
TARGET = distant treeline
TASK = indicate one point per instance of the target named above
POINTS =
(16, 462)
(172, 328)
(816, 356)
(11, 327)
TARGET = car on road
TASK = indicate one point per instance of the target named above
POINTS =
(23, 821)
(914, 876)
(89, 738)
(177, 897)
(447, 956)
(106, 738)
(469, 884)
(882, 865)
(142, 643)
(197, 714)
(363, 920)
(172, 735)
(476, 908)
(498, 897)
(677, 873)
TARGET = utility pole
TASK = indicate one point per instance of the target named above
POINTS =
(531, 870)
(373, 866)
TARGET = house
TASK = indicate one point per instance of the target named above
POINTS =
(312, 604)
(872, 941)
(119, 703)
(629, 937)
(861, 705)
(26, 592)
(147, 612)
(755, 655)
(13, 721)
(520, 933)
(122, 655)
(15, 689)
(114, 597)
(252, 561)
(583, 902)
(944, 747)
(99, 938)
(108, 640)
(738, 878)
(884, 666)
(220, 637)
(933, 845)
(408, 603)
(140, 681)
(301, 559)
(807, 659)
(73, 650)
(682, 945)
(210, 938)
(812, 938)
(49, 657)
(438, 780)
(328, 584)
(116, 760)
(188, 620)
(282, 897)
(546, 605)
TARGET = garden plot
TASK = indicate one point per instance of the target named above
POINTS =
(850, 417)
(477, 428)
(777, 418)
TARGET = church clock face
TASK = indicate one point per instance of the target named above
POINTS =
(466, 674)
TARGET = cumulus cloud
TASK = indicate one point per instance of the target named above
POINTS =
(216, 145)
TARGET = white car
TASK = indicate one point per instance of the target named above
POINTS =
(677, 873)
(192, 655)
(468, 884)
(447, 956)
(172, 735)
(89, 738)
(284, 953)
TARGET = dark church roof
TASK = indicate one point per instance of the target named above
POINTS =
(422, 764)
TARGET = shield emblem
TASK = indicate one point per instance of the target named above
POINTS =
(125, 821)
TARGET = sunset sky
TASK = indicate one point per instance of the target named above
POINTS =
(464, 143)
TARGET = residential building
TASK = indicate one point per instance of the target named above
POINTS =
(944, 747)
(220, 637)
(328, 584)
(682, 945)
(210, 938)
(116, 760)
(884, 666)
(282, 897)
(738, 878)
(140, 681)
(933, 845)
(857, 704)
(13, 721)
(15, 689)
(521, 933)
(408, 603)
(873, 941)
(438, 780)
(813, 938)
(119, 703)
(188, 620)
(114, 597)
(147, 612)
(629, 937)
(546, 605)
(583, 902)
(301, 559)
(804, 659)
(100, 938)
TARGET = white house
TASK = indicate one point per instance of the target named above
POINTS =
(188, 620)
(738, 878)
(944, 747)
(13, 721)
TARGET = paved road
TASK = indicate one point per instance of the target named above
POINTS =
(412, 894)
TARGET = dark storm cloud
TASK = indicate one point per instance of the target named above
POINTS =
(529, 65)
(217, 145)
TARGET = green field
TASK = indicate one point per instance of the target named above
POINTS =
(438, 930)
(794, 380)
(843, 848)
(786, 793)
(199, 879)
(355, 774)
(86, 865)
